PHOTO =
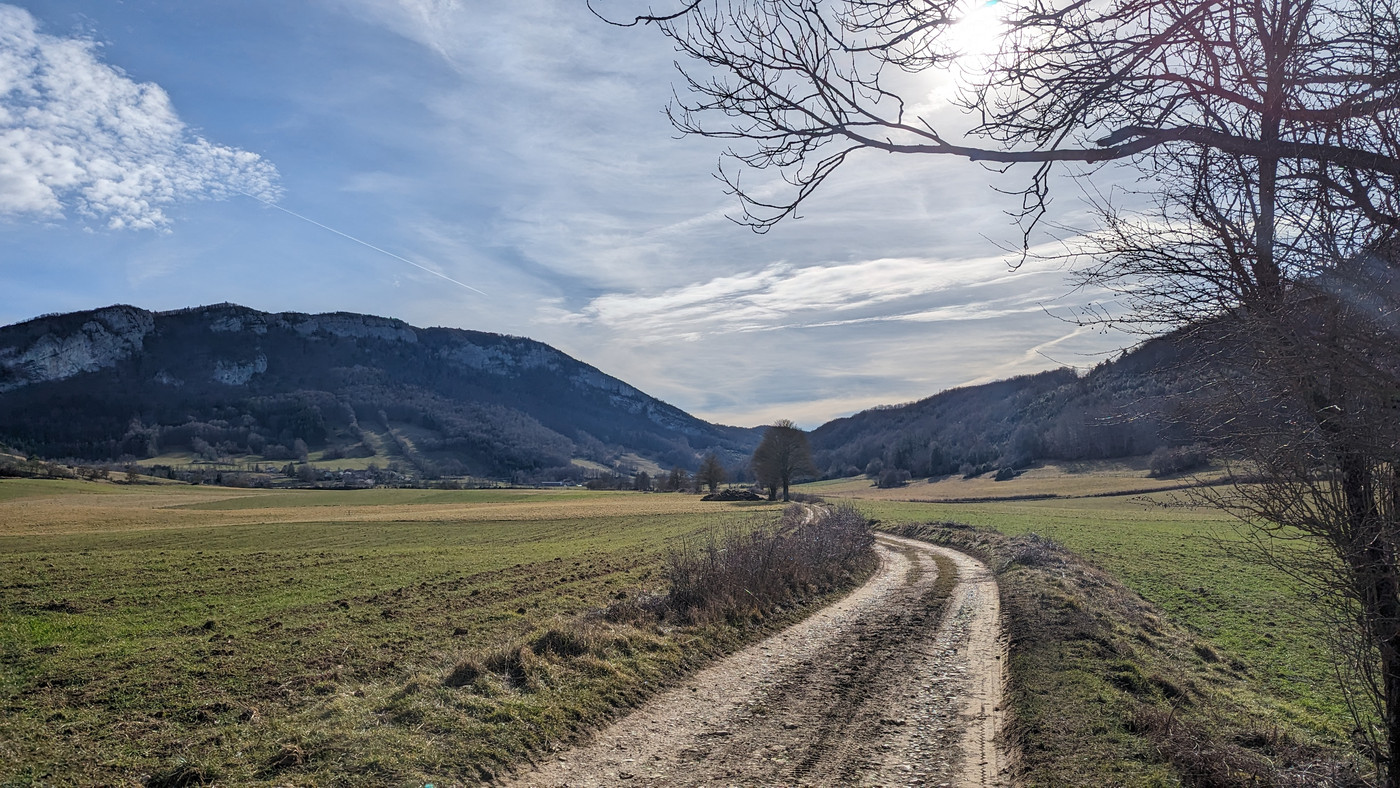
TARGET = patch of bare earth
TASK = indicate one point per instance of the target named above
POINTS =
(899, 683)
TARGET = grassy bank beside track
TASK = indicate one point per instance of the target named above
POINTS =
(1180, 560)
(180, 635)
(1105, 689)
(1251, 621)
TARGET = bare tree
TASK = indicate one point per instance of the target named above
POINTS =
(1294, 297)
(783, 455)
(1270, 132)
(803, 86)
(711, 473)
(1309, 397)
(677, 480)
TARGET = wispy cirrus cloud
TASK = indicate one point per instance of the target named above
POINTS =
(78, 134)
(785, 296)
(823, 339)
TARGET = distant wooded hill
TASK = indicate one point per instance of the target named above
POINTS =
(1131, 406)
(229, 383)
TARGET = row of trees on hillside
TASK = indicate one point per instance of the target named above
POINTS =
(1266, 132)
(710, 476)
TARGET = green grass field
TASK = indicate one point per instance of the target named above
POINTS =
(192, 633)
(1076, 479)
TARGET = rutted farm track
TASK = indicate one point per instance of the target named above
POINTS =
(899, 683)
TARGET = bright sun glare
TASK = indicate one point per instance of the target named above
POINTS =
(975, 35)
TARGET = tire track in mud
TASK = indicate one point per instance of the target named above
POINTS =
(898, 683)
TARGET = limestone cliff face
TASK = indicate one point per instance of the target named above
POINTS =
(234, 319)
(506, 358)
(104, 338)
(236, 374)
(514, 356)
(58, 347)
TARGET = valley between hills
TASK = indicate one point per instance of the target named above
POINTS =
(239, 548)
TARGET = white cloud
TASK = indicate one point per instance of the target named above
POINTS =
(784, 296)
(556, 118)
(76, 133)
(823, 339)
(520, 147)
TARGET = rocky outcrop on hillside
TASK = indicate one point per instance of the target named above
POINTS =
(56, 348)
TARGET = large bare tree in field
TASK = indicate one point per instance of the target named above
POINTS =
(781, 457)
(1268, 132)
(711, 473)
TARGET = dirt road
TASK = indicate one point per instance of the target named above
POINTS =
(879, 689)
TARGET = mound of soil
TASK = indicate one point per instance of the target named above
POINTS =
(733, 494)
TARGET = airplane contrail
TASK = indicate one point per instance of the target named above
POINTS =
(271, 204)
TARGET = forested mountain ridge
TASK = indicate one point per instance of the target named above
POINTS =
(229, 381)
(1129, 406)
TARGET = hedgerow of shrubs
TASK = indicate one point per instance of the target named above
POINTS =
(1170, 461)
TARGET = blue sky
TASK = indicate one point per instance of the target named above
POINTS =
(518, 149)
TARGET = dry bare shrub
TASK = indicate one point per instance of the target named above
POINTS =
(746, 572)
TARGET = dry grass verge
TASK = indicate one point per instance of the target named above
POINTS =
(182, 635)
(548, 689)
(1105, 690)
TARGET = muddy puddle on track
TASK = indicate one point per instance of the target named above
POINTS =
(886, 687)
